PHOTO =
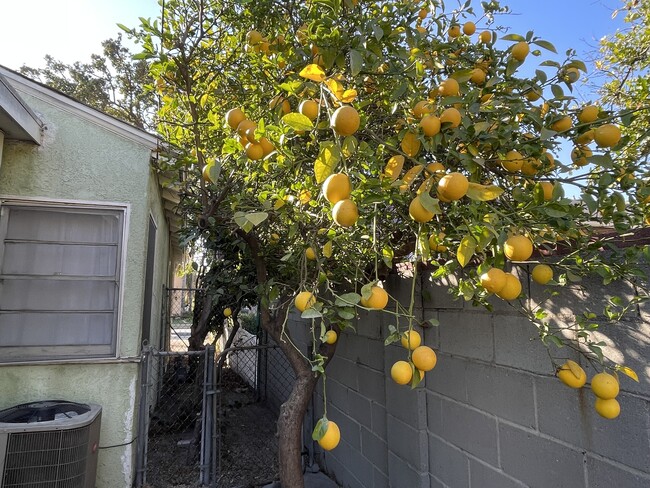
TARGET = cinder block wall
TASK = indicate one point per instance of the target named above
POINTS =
(491, 414)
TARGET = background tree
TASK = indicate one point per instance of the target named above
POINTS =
(329, 142)
(112, 82)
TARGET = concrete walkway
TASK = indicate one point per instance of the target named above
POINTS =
(312, 480)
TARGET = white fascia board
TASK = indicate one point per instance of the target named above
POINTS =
(17, 120)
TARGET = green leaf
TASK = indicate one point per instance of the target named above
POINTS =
(256, 218)
(348, 299)
(297, 121)
(366, 290)
(349, 146)
(551, 63)
(604, 160)
(557, 91)
(546, 45)
(513, 37)
(590, 202)
(466, 250)
(311, 313)
(483, 193)
(356, 62)
(434, 322)
(430, 204)
(393, 337)
(628, 372)
(214, 170)
(345, 314)
(327, 160)
(415, 378)
(320, 429)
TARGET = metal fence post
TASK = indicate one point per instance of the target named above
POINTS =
(207, 416)
(143, 419)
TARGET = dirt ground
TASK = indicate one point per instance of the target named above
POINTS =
(248, 454)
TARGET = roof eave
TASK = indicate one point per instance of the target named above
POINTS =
(17, 120)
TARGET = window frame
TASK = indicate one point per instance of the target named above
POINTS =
(72, 353)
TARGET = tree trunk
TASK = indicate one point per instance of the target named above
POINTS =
(200, 324)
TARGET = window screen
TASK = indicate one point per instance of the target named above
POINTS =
(59, 281)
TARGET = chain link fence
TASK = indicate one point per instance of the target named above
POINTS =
(178, 314)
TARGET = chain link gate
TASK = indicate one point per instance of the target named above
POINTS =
(176, 419)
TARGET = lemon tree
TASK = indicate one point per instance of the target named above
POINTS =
(326, 144)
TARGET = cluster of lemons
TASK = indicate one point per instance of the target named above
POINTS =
(421, 360)
(603, 385)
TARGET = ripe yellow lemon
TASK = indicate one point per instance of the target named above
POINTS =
(485, 37)
(547, 188)
(566, 374)
(512, 288)
(469, 28)
(331, 438)
(345, 212)
(454, 31)
(310, 254)
(453, 186)
(435, 242)
(309, 108)
(520, 51)
(564, 124)
(449, 88)
(542, 274)
(588, 114)
(280, 101)
(493, 280)
(234, 116)
(422, 108)
(330, 337)
(304, 300)
(378, 299)
(452, 116)
(585, 137)
(337, 187)
(345, 120)
(513, 161)
(604, 385)
(401, 372)
(430, 125)
(518, 248)
(579, 155)
(253, 37)
(267, 147)
(477, 76)
(411, 339)
(424, 358)
(609, 409)
(418, 212)
(438, 169)
(607, 135)
(571, 75)
(244, 126)
(227, 312)
(254, 151)
(411, 144)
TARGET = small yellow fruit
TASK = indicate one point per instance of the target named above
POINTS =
(477, 76)
(609, 409)
(401, 372)
(424, 358)
(607, 135)
(454, 31)
(275, 238)
(280, 101)
(452, 116)
(547, 188)
(422, 108)
(310, 254)
(330, 337)
(493, 280)
(309, 108)
(469, 28)
(253, 38)
(418, 212)
(304, 300)
(345, 212)
(337, 187)
(512, 288)
(588, 114)
(234, 116)
(520, 51)
(585, 137)
(580, 154)
(513, 161)
(435, 242)
(378, 299)
(530, 166)
(411, 339)
(542, 274)
(564, 124)
(566, 374)
(605, 386)
(430, 125)
(518, 248)
(422, 14)
(571, 75)
(485, 37)
(411, 144)
(345, 120)
(227, 312)
(244, 126)
(331, 438)
(453, 186)
(449, 88)
(254, 151)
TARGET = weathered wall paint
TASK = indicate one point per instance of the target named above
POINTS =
(82, 160)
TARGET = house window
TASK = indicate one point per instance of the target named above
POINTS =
(60, 271)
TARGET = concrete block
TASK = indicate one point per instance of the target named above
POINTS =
(502, 392)
(378, 415)
(409, 405)
(375, 450)
(369, 324)
(448, 377)
(435, 293)
(448, 464)
(400, 473)
(359, 408)
(472, 431)
(337, 394)
(362, 350)
(483, 476)
(569, 415)
(430, 334)
(408, 443)
(380, 480)
(435, 482)
(434, 414)
(602, 474)
(399, 289)
(466, 334)
(372, 384)
(539, 462)
(343, 371)
(337, 469)
(350, 429)
(517, 344)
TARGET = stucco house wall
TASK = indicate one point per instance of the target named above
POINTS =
(88, 157)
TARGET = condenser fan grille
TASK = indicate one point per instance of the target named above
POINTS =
(54, 459)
